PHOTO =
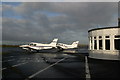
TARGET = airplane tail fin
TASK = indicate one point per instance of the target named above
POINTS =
(75, 44)
(54, 42)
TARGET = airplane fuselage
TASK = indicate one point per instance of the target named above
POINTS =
(39, 46)
(65, 46)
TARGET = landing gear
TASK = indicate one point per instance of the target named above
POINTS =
(37, 50)
(60, 49)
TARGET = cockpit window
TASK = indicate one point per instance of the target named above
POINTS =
(34, 44)
(30, 44)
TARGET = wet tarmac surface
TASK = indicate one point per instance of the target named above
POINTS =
(17, 64)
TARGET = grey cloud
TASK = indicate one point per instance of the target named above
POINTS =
(70, 22)
(119, 9)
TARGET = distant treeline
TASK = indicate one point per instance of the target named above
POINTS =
(82, 46)
(9, 45)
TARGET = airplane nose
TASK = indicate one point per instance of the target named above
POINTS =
(23, 46)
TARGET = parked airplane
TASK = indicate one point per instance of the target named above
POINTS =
(62, 46)
(39, 46)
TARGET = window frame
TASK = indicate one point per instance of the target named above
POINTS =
(116, 37)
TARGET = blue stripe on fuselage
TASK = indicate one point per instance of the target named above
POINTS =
(41, 46)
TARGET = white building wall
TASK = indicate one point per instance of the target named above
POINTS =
(111, 54)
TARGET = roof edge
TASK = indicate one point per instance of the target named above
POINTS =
(102, 28)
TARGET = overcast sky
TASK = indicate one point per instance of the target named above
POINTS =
(119, 9)
(67, 21)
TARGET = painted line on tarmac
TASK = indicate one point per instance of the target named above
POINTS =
(33, 75)
(8, 60)
(8, 57)
(16, 65)
(87, 71)
(3, 68)
(19, 64)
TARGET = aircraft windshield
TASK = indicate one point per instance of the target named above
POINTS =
(31, 44)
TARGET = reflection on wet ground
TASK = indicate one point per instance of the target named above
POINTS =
(18, 64)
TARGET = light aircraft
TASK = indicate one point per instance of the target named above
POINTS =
(62, 46)
(40, 46)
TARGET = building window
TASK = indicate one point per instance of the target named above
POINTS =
(107, 44)
(100, 37)
(95, 44)
(100, 44)
(117, 44)
(94, 37)
(117, 36)
(106, 36)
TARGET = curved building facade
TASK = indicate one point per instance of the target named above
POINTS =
(104, 43)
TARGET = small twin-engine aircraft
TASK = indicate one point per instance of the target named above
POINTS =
(39, 46)
(33, 46)
(62, 46)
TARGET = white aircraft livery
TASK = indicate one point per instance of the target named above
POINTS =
(39, 46)
(62, 46)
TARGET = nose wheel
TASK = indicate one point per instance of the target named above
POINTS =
(60, 49)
